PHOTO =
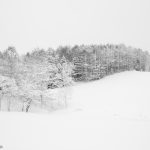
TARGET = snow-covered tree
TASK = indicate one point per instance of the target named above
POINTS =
(11, 59)
(8, 89)
(60, 72)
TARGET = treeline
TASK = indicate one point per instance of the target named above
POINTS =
(44, 66)
(80, 62)
(83, 62)
(25, 80)
(93, 62)
(28, 79)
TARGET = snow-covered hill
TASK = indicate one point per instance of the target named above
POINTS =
(110, 114)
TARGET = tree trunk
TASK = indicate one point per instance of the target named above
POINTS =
(28, 104)
(41, 98)
(1, 96)
(23, 107)
(0, 103)
(8, 104)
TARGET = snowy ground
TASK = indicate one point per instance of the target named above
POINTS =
(110, 114)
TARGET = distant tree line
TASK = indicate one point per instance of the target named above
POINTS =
(30, 77)
(80, 62)
(92, 62)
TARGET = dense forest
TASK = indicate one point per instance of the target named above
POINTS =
(33, 77)
(93, 62)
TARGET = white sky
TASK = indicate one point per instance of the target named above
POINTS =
(28, 24)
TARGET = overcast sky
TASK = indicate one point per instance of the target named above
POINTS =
(28, 24)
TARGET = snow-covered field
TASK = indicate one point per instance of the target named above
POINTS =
(110, 114)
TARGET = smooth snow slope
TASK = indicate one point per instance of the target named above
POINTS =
(110, 114)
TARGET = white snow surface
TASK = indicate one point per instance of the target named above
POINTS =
(109, 114)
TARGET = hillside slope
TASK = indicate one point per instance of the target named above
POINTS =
(110, 114)
(125, 94)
